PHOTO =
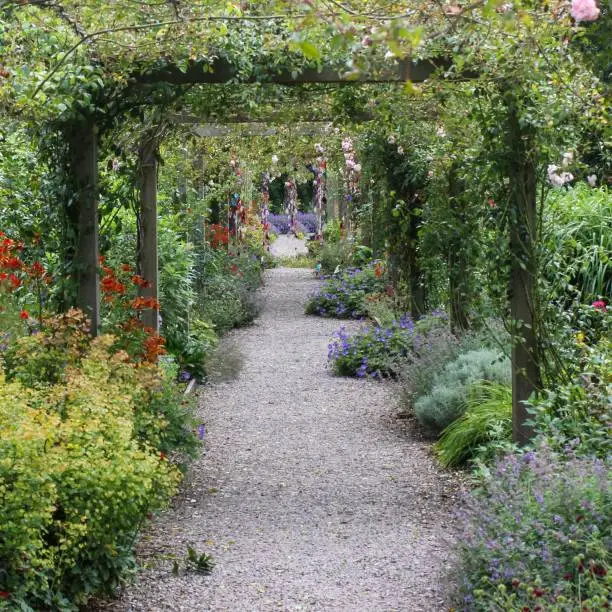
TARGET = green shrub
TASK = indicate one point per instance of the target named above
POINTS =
(334, 256)
(578, 241)
(447, 399)
(578, 414)
(76, 483)
(487, 418)
(332, 231)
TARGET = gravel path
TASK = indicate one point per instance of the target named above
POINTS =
(287, 245)
(310, 495)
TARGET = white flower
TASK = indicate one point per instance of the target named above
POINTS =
(233, 163)
(391, 139)
(389, 54)
(567, 159)
(592, 180)
(357, 168)
(350, 164)
(556, 179)
(319, 148)
(275, 159)
(400, 150)
(430, 173)
(441, 132)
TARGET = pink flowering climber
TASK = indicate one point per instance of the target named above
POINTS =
(584, 10)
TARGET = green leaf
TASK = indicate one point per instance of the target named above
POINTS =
(309, 51)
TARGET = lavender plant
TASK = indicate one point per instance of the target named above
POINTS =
(537, 534)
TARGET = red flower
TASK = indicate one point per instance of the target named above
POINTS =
(515, 582)
(24, 314)
(492, 203)
(37, 270)
(126, 267)
(4, 595)
(538, 592)
(15, 282)
(599, 305)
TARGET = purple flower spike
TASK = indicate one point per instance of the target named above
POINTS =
(201, 431)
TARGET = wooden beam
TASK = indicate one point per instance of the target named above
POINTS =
(222, 71)
(148, 210)
(214, 130)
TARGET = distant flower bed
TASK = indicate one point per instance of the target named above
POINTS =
(307, 223)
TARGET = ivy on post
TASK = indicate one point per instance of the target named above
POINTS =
(84, 170)
(148, 258)
(523, 219)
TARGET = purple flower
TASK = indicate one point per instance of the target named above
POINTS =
(201, 431)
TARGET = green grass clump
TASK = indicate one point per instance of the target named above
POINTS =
(487, 419)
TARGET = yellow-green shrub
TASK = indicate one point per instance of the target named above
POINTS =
(75, 481)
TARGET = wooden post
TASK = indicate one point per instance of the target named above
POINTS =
(457, 260)
(148, 211)
(522, 218)
(415, 274)
(84, 169)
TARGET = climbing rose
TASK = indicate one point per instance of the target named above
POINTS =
(556, 179)
(584, 10)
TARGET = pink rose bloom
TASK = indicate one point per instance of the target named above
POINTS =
(599, 305)
(584, 10)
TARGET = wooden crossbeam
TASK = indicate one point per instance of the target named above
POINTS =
(222, 71)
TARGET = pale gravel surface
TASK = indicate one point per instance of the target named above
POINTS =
(287, 245)
(310, 494)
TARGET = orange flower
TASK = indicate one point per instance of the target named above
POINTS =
(126, 267)
(140, 282)
(140, 303)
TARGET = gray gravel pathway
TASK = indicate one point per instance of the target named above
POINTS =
(309, 495)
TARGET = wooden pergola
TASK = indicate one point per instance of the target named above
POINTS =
(84, 159)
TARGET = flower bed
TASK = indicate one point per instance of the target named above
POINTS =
(345, 296)
(307, 223)
(375, 351)
(536, 535)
